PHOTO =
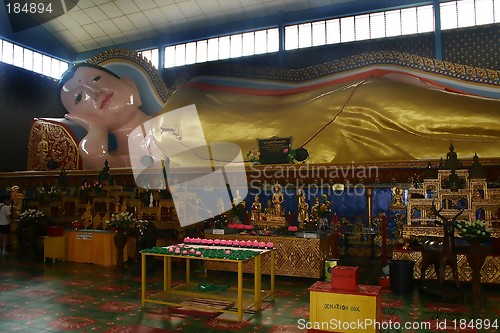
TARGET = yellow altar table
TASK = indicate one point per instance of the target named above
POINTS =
(92, 246)
(234, 300)
(300, 257)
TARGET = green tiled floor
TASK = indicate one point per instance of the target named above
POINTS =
(71, 297)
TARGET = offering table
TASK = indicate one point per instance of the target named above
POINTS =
(185, 295)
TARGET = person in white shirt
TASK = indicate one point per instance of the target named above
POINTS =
(4, 223)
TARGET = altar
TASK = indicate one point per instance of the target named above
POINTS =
(92, 247)
(300, 257)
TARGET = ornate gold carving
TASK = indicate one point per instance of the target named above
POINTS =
(51, 141)
(294, 256)
(490, 273)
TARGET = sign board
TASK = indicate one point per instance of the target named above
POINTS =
(84, 235)
(274, 150)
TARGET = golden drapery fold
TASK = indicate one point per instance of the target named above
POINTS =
(375, 119)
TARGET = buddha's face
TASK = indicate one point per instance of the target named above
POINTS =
(99, 96)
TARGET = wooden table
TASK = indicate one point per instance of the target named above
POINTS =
(182, 295)
(92, 246)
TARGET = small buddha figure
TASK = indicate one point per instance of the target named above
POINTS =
(303, 208)
(43, 150)
(476, 169)
(452, 161)
(315, 209)
(269, 208)
(397, 202)
(277, 200)
(454, 182)
(87, 215)
(17, 201)
(256, 210)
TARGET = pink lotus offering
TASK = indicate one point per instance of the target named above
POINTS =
(223, 242)
(198, 253)
(206, 248)
(177, 250)
(269, 245)
(293, 228)
(230, 226)
(248, 243)
(187, 240)
(248, 226)
(240, 226)
(204, 241)
(262, 245)
(236, 243)
(255, 243)
(184, 251)
(197, 240)
(228, 252)
(180, 246)
(229, 243)
(210, 241)
(217, 241)
(170, 249)
(191, 251)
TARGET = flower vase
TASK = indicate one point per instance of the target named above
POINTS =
(120, 241)
(476, 255)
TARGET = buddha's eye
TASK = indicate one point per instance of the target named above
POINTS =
(78, 98)
(97, 78)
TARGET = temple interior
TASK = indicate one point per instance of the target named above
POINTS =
(250, 166)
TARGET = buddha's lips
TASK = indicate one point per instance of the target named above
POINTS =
(105, 100)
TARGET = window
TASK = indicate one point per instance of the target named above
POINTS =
(260, 42)
(22, 57)
(190, 53)
(377, 25)
(152, 55)
(393, 23)
(318, 33)
(409, 21)
(305, 35)
(333, 31)
(292, 37)
(449, 15)
(224, 47)
(425, 19)
(236, 46)
(346, 29)
(466, 13)
(484, 12)
(362, 27)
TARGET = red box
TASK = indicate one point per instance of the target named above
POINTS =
(55, 231)
(345, 277)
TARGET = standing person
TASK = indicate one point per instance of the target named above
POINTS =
(4, 223)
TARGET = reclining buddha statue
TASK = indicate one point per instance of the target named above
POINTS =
(376, 107)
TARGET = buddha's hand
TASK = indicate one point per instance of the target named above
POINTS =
(96, 140)
(88, 121)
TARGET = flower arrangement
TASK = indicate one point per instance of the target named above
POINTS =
(31, 215)
(89, 187)
(121, 221)
(473, 229)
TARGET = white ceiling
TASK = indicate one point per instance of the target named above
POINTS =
(94, 24)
